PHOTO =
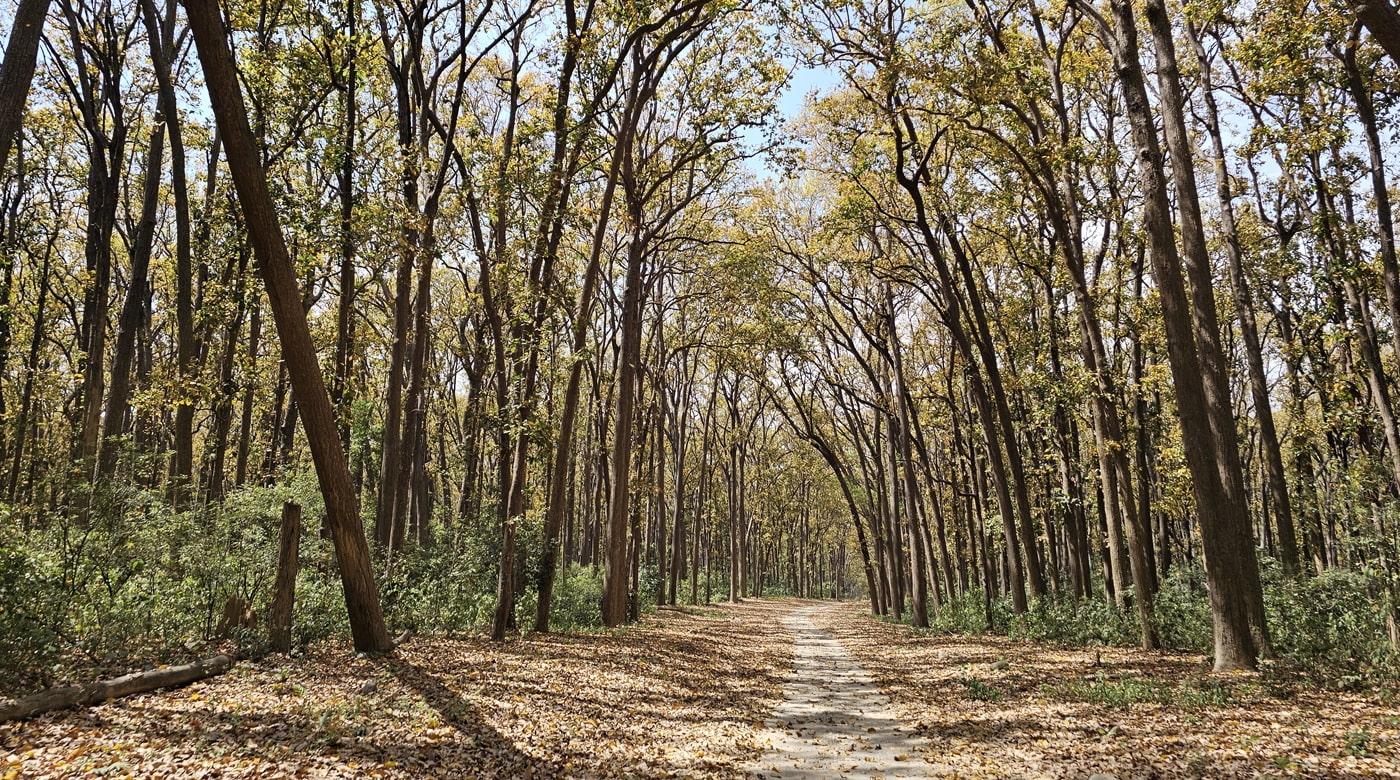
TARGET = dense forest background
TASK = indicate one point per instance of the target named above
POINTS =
(1078, 321)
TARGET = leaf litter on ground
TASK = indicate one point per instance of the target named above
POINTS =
(685, 693)
(678, 695)
(997, 707)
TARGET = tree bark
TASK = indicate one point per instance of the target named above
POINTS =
(1244, 312)
(17, 71)
(1382, 21)
(116, 420)
(899, 429)
(115, 688)
(162, 44)
(318, 417)
(1220, 513)
(279, 613)
(1196, 259)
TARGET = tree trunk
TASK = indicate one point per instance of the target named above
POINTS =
(117, 419)
(162, 43)
(318, 418)
(1244, 313)
(1220, 512)
(899, 429)
(17, 71)
(105, 690)
(1382, 21)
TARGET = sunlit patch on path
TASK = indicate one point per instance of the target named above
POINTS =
(833, 721)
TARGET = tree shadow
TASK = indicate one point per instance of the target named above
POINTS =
(455, 709)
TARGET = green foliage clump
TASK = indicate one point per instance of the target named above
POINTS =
(578, 599)
(1083, 622)
(441, 587)
(1182, 608)
(130, 580)
(965, 614)
(29, 598)
(1333, 626)
(980, 690)
(1125, 692)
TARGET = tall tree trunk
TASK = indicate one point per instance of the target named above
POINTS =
(1196, 259)
(318, 417)
(1245, 317)
(162, 40)
(17, 71)
(341, 391)
(1221, 513)
(117, 419)
(899, 429)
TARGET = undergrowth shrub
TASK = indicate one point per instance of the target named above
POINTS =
(578, 598)
(964, 614)
(30, 607)
(1333, 627)
(1063, 621)
(442, 587)
(1183, 611)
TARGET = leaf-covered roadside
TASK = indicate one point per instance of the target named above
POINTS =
(995, 707)
(678, 695)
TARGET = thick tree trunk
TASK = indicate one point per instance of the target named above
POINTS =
(318, 418)
(1196, 258)
(1382, 21)
(615, 577)
(1220, 512)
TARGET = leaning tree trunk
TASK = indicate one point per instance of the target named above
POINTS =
(899, 432)
(1382, 21)
(318, 418)
(1249, 329)
(17, 71)
(1196, 258)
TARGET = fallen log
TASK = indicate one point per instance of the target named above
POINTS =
(115, 688)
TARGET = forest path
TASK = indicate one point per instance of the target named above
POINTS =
(834, 721)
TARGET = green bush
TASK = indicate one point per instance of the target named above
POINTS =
(1127, 691)
(1183, 611)
(1084, 622)
(29, 604)
(1333, 626)
(578, 598)
(965, 614)
(441, 587)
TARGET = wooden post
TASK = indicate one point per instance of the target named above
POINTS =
(279, 617)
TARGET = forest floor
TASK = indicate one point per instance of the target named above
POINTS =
(711, 692)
